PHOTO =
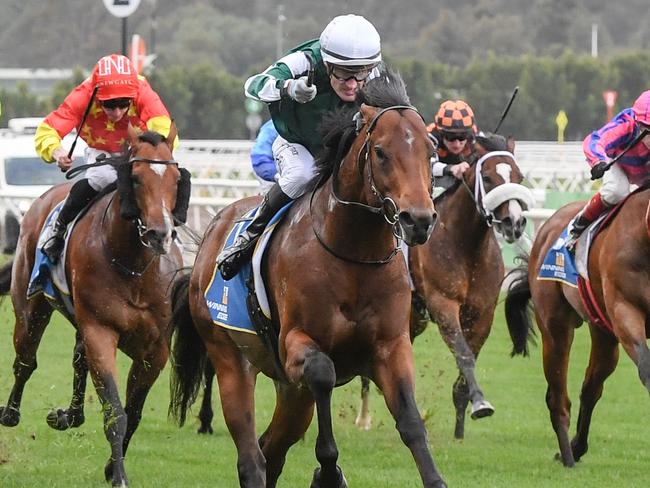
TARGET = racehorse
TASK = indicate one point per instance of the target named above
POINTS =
(120, 264)
(457, 274)
(339, 295)
(617, 268)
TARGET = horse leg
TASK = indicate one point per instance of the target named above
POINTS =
(236, 389)
(602, 363)
(394, 374)
(101, 347)
(142, 375)
(206, 414)
(293, 412)
(306, 364)
(464, 390)
(557, 337)
(364, 419)
(61, 419)
(31, 320)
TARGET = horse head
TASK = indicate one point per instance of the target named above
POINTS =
(392, 154)
(497, 189)
(153, 190)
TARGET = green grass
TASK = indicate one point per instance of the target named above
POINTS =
(515, 447)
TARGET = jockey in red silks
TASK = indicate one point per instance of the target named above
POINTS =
(605, 144)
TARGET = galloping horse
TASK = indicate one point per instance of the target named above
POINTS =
(120, 264)
(618, 272)
(339, 295)
(457, 274)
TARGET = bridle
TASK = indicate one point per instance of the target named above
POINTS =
(387, 207)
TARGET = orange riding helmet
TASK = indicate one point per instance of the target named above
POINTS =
(455, 116)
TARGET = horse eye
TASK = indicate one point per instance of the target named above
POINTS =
(487, 180)
(379, 152)
(135, 179)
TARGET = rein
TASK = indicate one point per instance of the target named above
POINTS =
(387, 208)
(115, 161)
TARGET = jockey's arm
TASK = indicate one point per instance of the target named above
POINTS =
(266, 86)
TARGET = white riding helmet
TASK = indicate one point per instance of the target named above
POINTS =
(350, 40)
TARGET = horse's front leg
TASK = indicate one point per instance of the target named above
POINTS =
(63, 419)
(306, 364)
(101, 347)
(394, 374)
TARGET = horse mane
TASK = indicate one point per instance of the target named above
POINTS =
(339, 127)
(491, 141)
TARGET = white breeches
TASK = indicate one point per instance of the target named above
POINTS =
(615, 185)
(296, 167)
(101, 176)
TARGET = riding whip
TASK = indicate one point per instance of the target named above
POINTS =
(598, 171)
(83, 121)
(507, 109)
(310, 74)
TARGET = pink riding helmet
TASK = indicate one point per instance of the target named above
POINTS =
(641, 108)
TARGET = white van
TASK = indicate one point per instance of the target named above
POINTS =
(23, 175)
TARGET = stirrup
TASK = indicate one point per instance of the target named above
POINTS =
(53, 247)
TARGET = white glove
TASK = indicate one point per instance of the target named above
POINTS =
(299, 90)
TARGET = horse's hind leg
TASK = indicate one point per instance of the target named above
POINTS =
(31, 319)
(206, 414)
(62, 419)
(602, 362)
(394, 374)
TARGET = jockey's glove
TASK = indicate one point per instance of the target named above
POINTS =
(299, 90)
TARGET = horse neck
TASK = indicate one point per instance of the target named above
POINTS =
(460, 215)
(364, 234)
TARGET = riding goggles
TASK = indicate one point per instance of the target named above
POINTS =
(344, 74)
(452, 136)
(114, 103)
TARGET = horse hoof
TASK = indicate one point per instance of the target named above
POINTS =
(364, 423)
(567, 463)
(57, 419)
(482, 409)
(340, 482)
(108, 475)
(205, 430)
(9, 416)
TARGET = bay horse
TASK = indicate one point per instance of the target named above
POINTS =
(618, 272)
(120, 264)
(339, 295)
(457, 273)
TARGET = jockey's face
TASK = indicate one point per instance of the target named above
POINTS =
(346, 81)
(455, 143)
(116, 109)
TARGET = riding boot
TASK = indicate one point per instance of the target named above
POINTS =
(595, 206)
(233, 257)
(80, 195)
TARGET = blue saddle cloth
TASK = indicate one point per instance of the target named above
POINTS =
(40, 281)
(559, 263)
(226, 300)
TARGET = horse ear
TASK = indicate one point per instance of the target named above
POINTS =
(134, 136)
(510, 144)
(367, 112)
(171, 137)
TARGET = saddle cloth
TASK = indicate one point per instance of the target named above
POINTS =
(226, 300)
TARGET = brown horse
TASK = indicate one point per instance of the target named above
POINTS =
(339, 295)
(457, 274)
(617, 265)
(120, 264)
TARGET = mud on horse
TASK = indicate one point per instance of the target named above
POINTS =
(348, 316)
(120, 264)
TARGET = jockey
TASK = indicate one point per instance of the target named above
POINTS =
(346, 55)
(122, 97)
(605, 144)
(453, 132)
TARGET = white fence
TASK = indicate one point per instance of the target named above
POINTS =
(221, 174)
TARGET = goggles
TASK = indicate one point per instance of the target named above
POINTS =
(114, 103)
(345, 74)
(452, 136)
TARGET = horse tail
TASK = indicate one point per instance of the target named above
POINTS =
(518, 308)
(188, 354)
(5, 277)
